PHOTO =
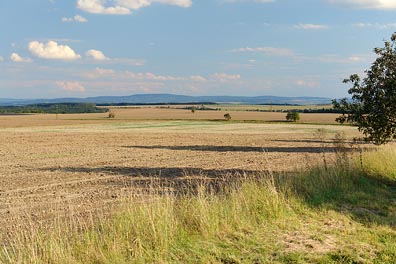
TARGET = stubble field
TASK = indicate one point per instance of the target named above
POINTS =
(80, 165)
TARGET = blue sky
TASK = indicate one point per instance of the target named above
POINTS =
(82, 48)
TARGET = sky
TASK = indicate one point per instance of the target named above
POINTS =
(83, 48)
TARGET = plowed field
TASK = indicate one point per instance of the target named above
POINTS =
(81, 164)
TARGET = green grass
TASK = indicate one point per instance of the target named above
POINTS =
(343, 214)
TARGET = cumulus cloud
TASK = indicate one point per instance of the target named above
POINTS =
(267, 51)
(51, 50)
(133, 4)
(124, 7)
(16, 58)
(76, 18)
(71, 86)
(365, 4)
(96, 55)
(98, 7)
(310, 26)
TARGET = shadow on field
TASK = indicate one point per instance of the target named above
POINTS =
(243, 148)
(304, 141)
(180, 179)
(164, 172)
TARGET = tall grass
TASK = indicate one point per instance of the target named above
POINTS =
(381, 163)
(340, 215)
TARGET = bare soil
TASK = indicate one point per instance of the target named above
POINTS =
(79, 164)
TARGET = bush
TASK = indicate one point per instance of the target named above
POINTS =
(293, 116)
(227, 116)
(111, 114)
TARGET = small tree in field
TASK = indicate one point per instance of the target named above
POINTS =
(111, 114)
(373, 104)
(293, 116)
(227, 117)
(193, 109)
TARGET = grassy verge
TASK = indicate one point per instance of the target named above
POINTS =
(343, 214)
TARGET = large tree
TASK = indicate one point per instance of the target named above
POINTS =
(373, 104)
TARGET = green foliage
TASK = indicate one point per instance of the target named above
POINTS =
(227, 117)
(61, 108)
(293, 116)
(373, 104)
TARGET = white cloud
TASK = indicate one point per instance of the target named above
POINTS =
(307, 83)
(98, 7)
(1, 59)
(133, 4)
(103, 73)
(198, 78)
(16, 58)
(310, 26)
(76, 18)
(51, 50)
(71, 86)
(126, 61)
(109, 73)
(151, 76)
(331, 58)
(355, 59)
(96, 55)
(181, 3)
(375, 25)
(224, 77)
(99, 73)
(365, 4)
(124, 7)
(267, 51)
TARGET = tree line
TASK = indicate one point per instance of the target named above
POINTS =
(58, 108)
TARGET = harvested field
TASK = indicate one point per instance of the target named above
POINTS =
(80, 164)
(154, 113)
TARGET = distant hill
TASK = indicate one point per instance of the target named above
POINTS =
(172, 98)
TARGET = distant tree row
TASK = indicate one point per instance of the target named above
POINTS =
(61, 108)
(307, 110)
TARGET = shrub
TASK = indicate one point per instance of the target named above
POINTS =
(111, 114)
(293, 116)
(227, 116)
